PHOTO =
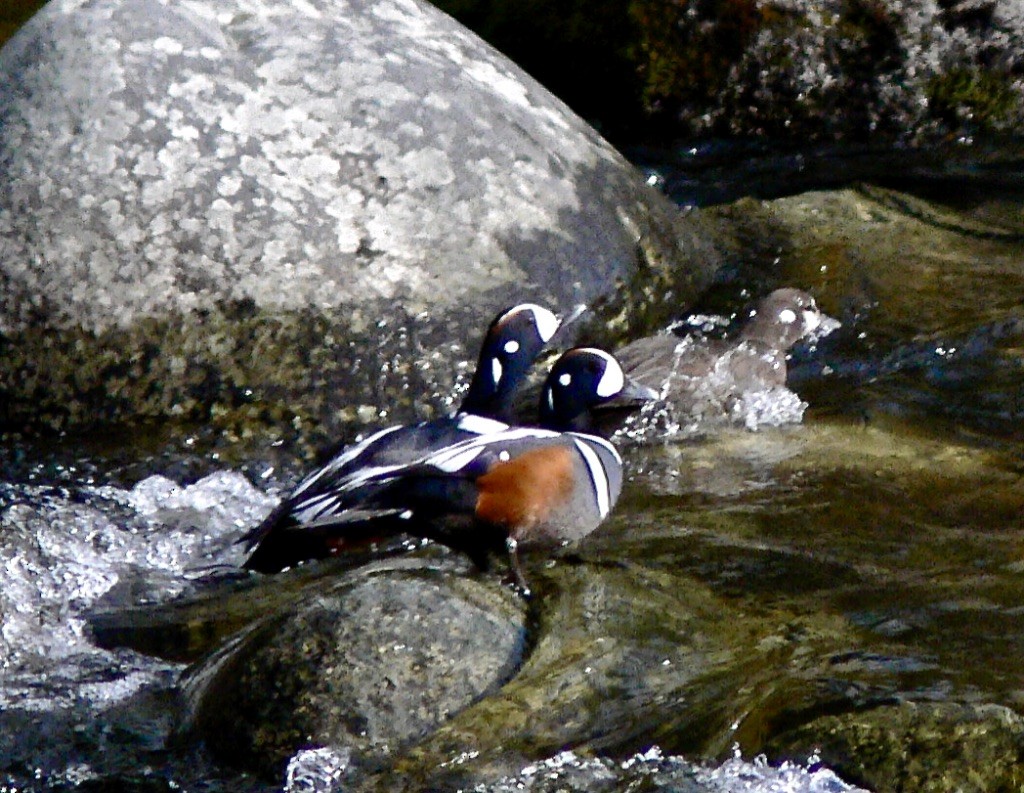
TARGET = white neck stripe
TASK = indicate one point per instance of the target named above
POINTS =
(598, 477)
(597, 440)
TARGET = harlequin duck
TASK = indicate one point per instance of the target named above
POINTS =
(511, 344)
(706, 380)
(518, 487)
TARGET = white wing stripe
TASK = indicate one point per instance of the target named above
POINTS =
(314, 508)
(456, 462)
(342, 459)
(439, 459)
(364, 475)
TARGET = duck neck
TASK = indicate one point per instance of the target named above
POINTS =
(486, 400)
(581, 421)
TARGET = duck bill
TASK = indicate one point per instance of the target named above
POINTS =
(823, 326)
(633, 394)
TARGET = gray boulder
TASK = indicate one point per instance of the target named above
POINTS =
(364, 668)
(271, 210)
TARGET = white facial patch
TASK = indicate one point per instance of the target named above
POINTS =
(788, 316)
(496, 370)
(546, 322)
(812, 319)
(511, 346)
(565, 379)
(612, 381)
(504, 456)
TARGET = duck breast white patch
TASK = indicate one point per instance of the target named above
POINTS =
(479, 425)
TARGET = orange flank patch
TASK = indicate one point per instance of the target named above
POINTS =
(520, 493)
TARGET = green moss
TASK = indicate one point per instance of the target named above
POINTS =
(686, 49)
(918, 747)
(983, 97)
(240, 372)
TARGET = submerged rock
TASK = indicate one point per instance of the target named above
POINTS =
(262, 211)
(363, 669)
(918, 746)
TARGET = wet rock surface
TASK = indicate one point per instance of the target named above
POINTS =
(918, 746)
(365, 667)
(854, 579)
(246, 211)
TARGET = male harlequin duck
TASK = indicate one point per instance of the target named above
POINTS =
(519, 487)
(511, 344)
(704, 380)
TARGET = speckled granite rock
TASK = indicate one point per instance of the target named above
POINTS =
(366, 668)
(917, 746)
(781, 70)
(227, 206)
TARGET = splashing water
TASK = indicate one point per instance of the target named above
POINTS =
(653, 770)
(69, 711)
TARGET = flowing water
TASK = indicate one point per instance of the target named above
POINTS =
(887, 525)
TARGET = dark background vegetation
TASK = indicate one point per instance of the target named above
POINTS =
(13, 14)
(790, 72)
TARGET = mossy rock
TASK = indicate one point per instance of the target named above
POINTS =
(917, 747)
(367, 665)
